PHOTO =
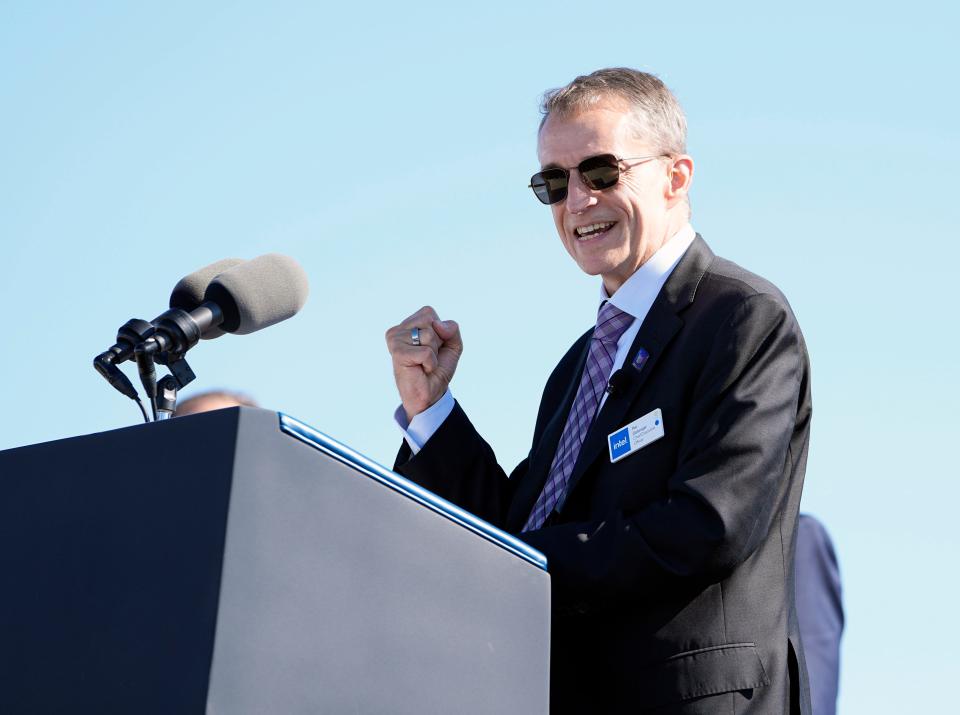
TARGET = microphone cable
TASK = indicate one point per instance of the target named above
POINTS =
(142, 409)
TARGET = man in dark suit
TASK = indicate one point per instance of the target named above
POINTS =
(664, 476)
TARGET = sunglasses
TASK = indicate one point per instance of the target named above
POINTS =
(598, 172)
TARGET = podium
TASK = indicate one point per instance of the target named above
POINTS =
(239, 562)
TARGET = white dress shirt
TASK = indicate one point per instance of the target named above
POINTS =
(635, 297)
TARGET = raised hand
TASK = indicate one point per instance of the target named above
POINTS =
(423, 372)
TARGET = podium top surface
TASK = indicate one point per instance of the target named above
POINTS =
(388, 478)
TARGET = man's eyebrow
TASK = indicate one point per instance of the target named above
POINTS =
(550, 165)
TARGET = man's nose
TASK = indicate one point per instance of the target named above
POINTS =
(580, 197)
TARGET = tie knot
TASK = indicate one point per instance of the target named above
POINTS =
(611, 322)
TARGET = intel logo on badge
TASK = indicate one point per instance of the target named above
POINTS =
(619, 443)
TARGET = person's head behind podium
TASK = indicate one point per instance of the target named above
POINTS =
(213, 400)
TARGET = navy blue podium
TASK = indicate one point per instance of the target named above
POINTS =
(240, 562)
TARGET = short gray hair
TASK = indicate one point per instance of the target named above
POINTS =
(657, 115)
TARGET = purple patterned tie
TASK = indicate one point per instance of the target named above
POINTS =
(611, 323)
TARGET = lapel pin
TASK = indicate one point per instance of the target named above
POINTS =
(640, 359)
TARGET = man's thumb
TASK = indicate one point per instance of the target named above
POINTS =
(449, 332)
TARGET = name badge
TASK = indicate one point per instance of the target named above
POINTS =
(636, 435)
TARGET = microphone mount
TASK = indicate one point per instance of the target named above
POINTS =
(173, 334)
(165, 341)
(129, 335)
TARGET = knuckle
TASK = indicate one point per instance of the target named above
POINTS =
(405, 356)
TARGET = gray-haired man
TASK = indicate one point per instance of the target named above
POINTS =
(664, 476)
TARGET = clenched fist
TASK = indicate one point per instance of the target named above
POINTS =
(423, 372)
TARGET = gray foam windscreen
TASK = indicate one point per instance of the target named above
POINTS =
(259, 293)
(189, 291)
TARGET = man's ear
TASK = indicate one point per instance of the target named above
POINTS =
(681, 176)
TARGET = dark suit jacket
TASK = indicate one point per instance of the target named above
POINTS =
(819, 612)
(672, 569)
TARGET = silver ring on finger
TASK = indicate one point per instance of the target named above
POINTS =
(415, 336)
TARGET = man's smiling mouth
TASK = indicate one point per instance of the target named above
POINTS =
(593, 230)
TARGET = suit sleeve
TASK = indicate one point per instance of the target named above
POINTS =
(458, 465)
(734, 458)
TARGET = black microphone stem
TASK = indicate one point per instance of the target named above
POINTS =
(148, 374)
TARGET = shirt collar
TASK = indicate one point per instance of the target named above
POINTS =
(639, 291)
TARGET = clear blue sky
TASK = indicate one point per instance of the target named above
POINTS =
(388, 149)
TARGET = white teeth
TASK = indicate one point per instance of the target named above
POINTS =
(593, 228)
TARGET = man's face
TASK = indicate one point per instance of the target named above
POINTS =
(633, 214)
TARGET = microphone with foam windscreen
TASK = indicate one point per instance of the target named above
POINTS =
(189, 291)
(250, 296)
(231, 295)
(243, 299)
(258, 293)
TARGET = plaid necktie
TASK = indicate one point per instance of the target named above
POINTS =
(611, 323)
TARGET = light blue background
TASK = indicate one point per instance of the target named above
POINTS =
(388, 148)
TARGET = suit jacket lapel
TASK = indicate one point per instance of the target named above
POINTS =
(658, 329)
(528, 490)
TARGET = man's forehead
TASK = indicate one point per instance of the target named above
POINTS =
(567, 139)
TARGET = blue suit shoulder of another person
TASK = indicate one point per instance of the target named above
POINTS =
(819, 612)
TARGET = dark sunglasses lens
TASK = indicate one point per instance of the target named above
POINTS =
(550, 186)
(600, 172)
